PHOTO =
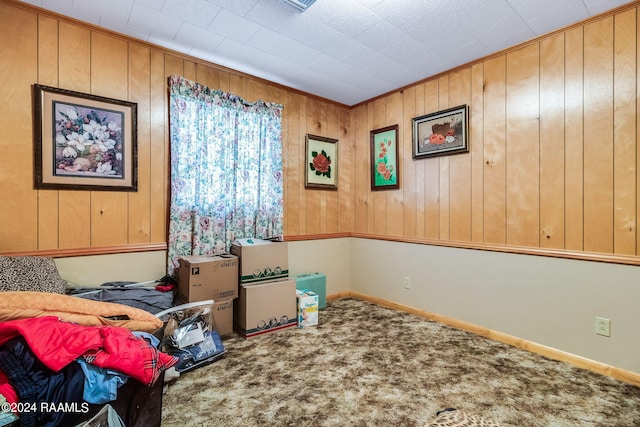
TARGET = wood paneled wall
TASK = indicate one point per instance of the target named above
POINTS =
(552, 167)
(553, 161)
(41, 47)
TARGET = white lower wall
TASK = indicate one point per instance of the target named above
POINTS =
(95, 270)
(549, 301)
(329, 256)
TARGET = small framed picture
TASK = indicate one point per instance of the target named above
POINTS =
(321, 163)
(441, 133)
(384, 159)
(84, 142)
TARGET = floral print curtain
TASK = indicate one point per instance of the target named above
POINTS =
(226, 170)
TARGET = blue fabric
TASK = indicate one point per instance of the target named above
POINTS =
(199, 354)
(100, 385)
(155, 342)
(36, 384)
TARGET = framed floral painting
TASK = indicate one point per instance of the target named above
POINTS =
(84, 142)
(384, 158)
(440, 133)
(321, 164)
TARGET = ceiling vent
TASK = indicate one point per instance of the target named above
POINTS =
(301, 5)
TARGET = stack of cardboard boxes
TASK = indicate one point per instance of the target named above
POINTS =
(250, 287)
(267, 296)
(203, 278)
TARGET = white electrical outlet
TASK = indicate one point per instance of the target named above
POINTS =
(603, 326)
(407, 282)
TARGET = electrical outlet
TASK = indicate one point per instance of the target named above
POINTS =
(407, 282)
(603, 326)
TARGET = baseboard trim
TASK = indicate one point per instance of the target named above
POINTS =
(551, 353)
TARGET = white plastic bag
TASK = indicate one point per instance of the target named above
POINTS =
(190, 334)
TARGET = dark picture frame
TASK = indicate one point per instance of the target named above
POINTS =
(385, 169)
(321, 162)
(441, 133)
(83, 141)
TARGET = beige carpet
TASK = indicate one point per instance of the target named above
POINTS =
(367, 365)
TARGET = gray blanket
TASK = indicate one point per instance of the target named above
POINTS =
(147, 299)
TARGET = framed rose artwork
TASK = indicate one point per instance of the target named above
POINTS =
(321, 163)
(441, 133)
(384, 159)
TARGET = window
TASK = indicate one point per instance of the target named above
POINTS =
(226, 170)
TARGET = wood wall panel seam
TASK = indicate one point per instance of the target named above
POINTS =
(545, 252)
(431, 200)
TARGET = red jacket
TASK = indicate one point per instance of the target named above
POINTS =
(57, 343)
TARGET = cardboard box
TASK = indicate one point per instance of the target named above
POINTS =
(208, 277)
(223, 317)
(266, 307)
(261, 260)
(307, 308)
(314, 282)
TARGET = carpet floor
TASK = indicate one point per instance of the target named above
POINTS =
(367, 365)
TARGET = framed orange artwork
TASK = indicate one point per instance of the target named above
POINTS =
(441, 133)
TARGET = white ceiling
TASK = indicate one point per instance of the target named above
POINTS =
(348, 51)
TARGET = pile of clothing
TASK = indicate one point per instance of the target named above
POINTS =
(51, 370)
(62, 357)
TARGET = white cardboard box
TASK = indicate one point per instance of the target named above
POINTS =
(261, 260)
(307, 308)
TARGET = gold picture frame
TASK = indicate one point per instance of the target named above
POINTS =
(321, 162)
